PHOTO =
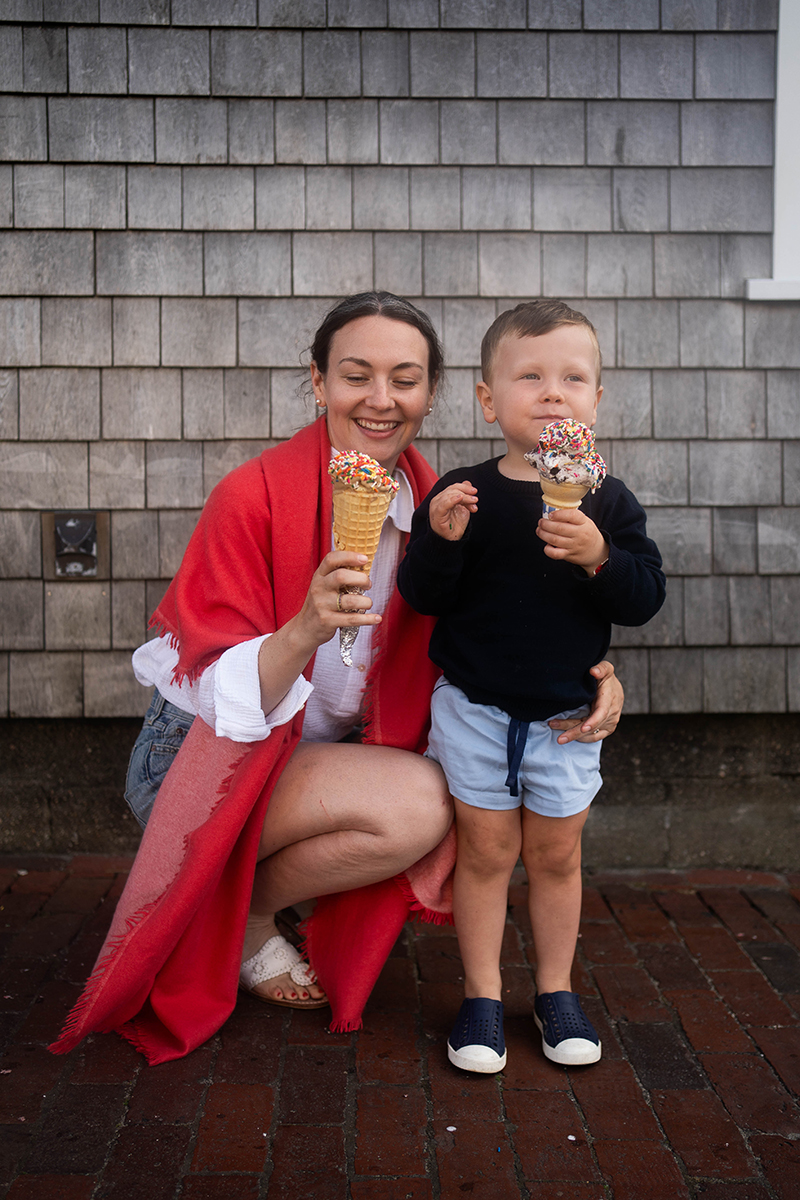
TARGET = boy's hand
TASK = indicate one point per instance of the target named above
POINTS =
(572, 536)
(449, 512)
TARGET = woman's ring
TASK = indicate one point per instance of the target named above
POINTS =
(339, 602)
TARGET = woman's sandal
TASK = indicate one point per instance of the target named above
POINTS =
(277, 957)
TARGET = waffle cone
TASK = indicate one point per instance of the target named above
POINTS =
(563, 495)
(358, 517)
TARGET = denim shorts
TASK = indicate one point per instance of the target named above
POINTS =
(469, 741)
(165, 726)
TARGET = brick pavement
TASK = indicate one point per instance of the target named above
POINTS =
(693, 979)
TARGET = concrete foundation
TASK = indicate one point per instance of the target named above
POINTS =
(680, 791)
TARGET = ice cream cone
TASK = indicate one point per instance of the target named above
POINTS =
(358, 518)
(562, 495)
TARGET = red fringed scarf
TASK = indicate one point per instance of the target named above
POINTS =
(167, 975)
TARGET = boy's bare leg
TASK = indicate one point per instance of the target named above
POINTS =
(551, 852)
(488, 847)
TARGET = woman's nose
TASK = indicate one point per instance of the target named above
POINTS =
(379, 395)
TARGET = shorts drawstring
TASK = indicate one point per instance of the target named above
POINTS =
(517, 737)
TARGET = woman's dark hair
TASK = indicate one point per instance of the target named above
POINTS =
(378, 304)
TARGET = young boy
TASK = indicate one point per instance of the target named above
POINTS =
(525, 608)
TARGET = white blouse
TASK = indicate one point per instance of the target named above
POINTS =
(228, 693)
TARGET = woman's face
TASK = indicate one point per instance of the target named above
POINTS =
(376, 387)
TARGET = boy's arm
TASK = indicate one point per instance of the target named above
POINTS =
(429, 573)
(630, 588)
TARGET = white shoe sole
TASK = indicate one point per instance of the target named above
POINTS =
(572, 1052)
(477, 1058)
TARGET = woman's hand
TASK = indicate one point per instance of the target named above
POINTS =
(326, 608)
(450, 510)
(605, 714)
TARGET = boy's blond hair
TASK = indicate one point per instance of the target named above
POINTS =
(532, 319)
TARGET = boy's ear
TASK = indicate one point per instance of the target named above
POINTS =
(596, 402)
(484, 394)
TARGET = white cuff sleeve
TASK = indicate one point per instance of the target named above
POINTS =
(229, 695)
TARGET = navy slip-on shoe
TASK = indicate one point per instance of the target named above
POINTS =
(568, 1036)
(476, 1042)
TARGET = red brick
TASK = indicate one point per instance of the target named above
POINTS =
(17, 908)
(603, 942)
(52, 1187)
(457, 1095)
(671, 966)
(42, 882)
(781, 1047)
(78, 895)
(21, 981)
(307, 1027)
(440, 1002)
(613, 1102)
(390, 1131)
(734, 1191)
(638, 1169)
(46, 935)
(48, 1014)
(386, 1050)
(685, 908)
(476, 1160)
(593, 906)
(751, 999)
(716, 949)
(549, 1140)
(231, 1135)
(699, 1129)
(100, 864)
(8, 875)
(250, 1045)
(145, 1161)
(309, 1163)
(639, 916)
(107, 1058)
(220, 1187)
(527, 1068)
(713, 877)
(596, 1012)
(780, 1159)
(744, 921)
(776, 904)
(519, 990)
(14, 1145)
(160, 1098)
(582, 980)
(660, 1056)
(439, 960)
(82, 953)
(791, 933)
(752, 1095)
(629, 994)
(74, 1134)
(707, 1023)
(313, 1088)
(396, 989)
(33, 1071)
(391, 1189)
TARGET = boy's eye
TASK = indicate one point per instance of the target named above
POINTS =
(532, 375)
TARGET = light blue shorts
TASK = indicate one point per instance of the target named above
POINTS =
(469, 741)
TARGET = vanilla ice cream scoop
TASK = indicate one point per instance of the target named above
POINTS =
(568, 464)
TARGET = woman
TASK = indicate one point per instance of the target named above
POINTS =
(247, 643)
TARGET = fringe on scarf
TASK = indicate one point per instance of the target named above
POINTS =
(71, 1035)
(420, 911)
(73, 1032)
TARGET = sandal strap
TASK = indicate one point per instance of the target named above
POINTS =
(276, 957)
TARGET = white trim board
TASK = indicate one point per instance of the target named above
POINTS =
(785, 281)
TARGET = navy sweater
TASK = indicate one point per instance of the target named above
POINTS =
(517, 629)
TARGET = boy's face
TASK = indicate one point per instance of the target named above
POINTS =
(538, 380)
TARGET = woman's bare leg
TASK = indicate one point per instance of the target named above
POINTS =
(341, 816)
